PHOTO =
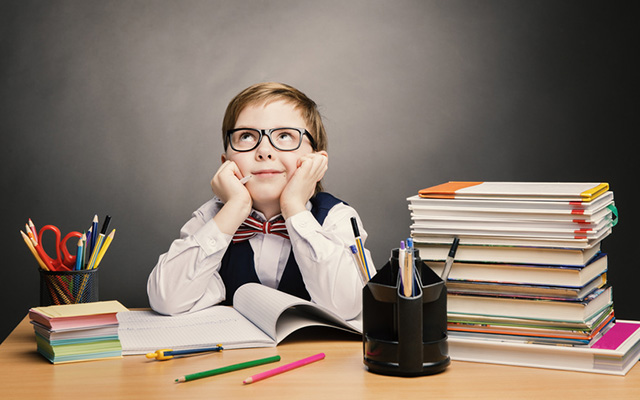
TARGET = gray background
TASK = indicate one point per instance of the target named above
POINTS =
(115, 107)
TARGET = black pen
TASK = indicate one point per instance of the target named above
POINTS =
(449, 262)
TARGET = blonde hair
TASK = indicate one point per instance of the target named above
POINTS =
(267, 92)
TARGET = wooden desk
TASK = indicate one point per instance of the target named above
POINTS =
(25, 374)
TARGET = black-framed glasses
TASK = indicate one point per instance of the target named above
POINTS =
(283, 139)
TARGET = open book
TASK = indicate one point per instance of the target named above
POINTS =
(261, 317)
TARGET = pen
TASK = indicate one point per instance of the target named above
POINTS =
(167, 354)
(408, 269)
(360, 245)
(449, 262)
(228, 368)
(284, 368)
(358, 261)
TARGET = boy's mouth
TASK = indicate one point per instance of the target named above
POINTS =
(267, 172)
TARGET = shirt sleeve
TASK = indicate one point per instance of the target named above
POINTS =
(186, 277)
(325, 260)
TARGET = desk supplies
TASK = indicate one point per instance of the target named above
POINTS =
(405, 336)
(449, 261)
(229, 368)
(77, 332)
(67, 278)
(260, 317)
(360, 246)
(167, 354)
(528, 271)
(284, 368)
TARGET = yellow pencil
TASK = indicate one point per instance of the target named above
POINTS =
(33, 251)
(96, 250)
(104, 248)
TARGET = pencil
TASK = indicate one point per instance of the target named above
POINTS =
(167, 354)
(33, 230)
(360, 245)
(104, 247)
(95, 251)
(284, 368)
(33, 251)
(228, 368)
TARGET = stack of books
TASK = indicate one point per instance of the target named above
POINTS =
(77, 332)
(528, 270)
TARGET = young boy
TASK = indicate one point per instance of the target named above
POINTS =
(275, 156)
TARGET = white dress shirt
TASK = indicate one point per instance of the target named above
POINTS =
(186, 277)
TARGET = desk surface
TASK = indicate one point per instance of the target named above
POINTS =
(26, 374)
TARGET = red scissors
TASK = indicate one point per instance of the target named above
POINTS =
(64, 261)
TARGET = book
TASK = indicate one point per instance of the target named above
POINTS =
(68, 316)
(614, 353)
(508, 254)
(79, 349)
(538, 308)
(569, 276)
(540, 191)
(260, 317)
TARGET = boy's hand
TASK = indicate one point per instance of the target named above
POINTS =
(302, 185)
(235, 196)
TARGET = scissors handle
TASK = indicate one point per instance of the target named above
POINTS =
(64, 261)
(69, 260)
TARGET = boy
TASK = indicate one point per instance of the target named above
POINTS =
(275, 156)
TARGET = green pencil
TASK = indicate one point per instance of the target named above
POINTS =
(228, 368)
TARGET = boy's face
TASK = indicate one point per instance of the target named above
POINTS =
(271, 168)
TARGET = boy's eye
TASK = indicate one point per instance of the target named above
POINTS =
(285, 135)
(247, 136)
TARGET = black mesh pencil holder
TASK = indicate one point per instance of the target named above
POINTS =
(405, 336)
(68, 287)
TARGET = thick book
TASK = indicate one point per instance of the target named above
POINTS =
(541, 308)
(82, 315)
(615, 353)
(570, 276)
(508, 254)
(540, 191)
(260, 317)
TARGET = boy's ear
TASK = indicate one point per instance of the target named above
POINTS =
(324, 153)
(223, 158)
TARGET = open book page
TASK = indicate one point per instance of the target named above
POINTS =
(142, 332)
(278, 314)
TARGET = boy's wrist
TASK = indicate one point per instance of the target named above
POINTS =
(289, 210)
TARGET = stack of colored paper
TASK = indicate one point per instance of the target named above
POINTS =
(77, 332)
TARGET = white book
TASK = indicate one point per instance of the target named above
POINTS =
(615, 353)
(261, 317)
(508, 254)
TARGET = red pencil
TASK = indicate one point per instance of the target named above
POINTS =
(284, 368)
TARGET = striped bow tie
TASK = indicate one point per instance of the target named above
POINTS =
(251, 226)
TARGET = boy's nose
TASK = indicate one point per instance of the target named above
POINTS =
(265, 150)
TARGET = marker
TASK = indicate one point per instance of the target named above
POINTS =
(284, 368)
(449, 262)
(245, 179)
(167, 354)
(228, 368)
(105, 224)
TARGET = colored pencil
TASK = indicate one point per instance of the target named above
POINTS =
(104, 247)
(228, 368)
(29, 244)
(284, 368)
(95, 251)
(78, 266)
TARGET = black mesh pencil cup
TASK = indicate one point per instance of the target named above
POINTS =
(68, 287)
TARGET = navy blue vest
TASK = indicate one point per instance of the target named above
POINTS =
(237, 263)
